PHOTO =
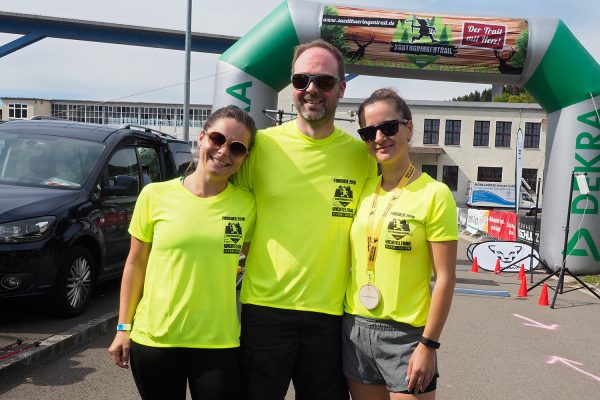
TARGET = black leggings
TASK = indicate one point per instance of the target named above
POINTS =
(162, 372)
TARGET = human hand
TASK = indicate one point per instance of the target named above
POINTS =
(421, 368)
(119, 349)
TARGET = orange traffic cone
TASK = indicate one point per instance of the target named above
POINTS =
(474, 267)
(543, 301)
(523, 288)
(497, 269)
(521, 272)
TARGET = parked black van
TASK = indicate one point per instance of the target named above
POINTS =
(67, 193)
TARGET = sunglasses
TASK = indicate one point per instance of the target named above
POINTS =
(324, 82)
(236, 149)
(388, 128)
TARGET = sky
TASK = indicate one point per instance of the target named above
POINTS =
(66, 69)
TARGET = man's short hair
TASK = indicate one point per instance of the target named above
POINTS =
(301, 48)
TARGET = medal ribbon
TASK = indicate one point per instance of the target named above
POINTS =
(373, 232)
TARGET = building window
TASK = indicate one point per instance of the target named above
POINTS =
(59, 111)
(489, 174)
(118, 115)
(17, 111)
(93, 114)
(503, 133)
(430, 170)
(122, 114)
(530, 176)
(532, 135)
(450, 176)
(431, 131)
(149, 116)
(198, 117)
(481, 133)
(78, 112)
(452, 136)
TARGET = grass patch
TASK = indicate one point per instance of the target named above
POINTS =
(591, 279)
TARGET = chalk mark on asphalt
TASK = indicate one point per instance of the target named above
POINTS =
(570, 364)
(536, 324)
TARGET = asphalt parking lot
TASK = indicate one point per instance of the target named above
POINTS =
(493, 346)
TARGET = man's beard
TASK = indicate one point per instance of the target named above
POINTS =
(314, 117)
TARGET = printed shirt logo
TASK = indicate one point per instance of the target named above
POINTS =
(397, 230)
(342, 197)
(233, 234)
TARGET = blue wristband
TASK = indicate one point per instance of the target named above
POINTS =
(123, 327)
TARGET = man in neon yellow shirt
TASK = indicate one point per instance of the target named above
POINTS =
(307, 176)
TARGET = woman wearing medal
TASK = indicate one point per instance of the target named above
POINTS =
(405, 230)
(177, 316)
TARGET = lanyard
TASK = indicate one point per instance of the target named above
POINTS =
(373, 232)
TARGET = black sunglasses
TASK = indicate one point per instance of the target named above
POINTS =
(236, 149)
(388, 128)
(324, 82)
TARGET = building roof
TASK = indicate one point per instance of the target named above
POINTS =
(94, 102)
(456, 104)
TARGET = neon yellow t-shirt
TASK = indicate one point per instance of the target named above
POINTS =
(424, 212)
(189, 297)
(306, 195)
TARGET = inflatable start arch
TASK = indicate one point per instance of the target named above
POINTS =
(539, 54)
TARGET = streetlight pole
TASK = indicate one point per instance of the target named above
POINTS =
(186, 100)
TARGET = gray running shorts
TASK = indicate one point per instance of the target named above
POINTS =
(376, 352)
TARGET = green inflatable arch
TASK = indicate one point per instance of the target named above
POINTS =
(539, 54)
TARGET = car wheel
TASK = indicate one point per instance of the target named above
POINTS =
(75, 282)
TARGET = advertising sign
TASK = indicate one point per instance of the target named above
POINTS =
(510, 254)
(502, 225)
(477, 220)
(525, 232)
(397, 39)
(461, 214)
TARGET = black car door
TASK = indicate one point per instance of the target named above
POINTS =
(120, 188)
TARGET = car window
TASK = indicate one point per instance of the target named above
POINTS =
(182, 161)
(150, 165)
(41, 160)
(123, 179)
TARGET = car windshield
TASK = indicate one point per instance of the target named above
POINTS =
(41, 160)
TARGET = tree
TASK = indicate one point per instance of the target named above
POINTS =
(514, 98)
(518, 59)
(405, 36)
(335, 34)
(485, 95)
(510, 94)
(444, 36)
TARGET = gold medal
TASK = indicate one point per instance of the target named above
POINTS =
(369, 296)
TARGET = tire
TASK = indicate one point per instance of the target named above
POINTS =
(75, 283)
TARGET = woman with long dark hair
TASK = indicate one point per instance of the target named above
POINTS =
(178, 317)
